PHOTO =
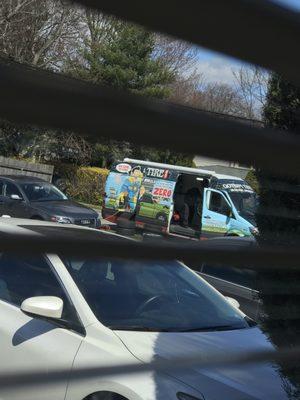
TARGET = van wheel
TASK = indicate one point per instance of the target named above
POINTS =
(125, 232)
(125, 223)
(125, 227)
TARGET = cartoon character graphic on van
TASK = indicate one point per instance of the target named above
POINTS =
(130, 189)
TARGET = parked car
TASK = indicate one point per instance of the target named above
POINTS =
(239, 283)
(65, 312)
(34, 198)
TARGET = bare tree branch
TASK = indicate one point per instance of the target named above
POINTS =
(251, 84)
(37, 32)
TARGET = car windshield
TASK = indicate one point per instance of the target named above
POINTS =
(152, 296)
(42, 191)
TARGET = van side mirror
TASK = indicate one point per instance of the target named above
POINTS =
(43, 306)
(229, 212)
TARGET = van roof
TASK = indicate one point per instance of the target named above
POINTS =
(221, 176)
(169, 166)
(193, 171)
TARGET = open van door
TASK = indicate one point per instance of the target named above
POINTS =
(216, 213)
(121, 194)
(155, 204)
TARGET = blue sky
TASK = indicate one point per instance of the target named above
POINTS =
(293, 4)
(216, 67)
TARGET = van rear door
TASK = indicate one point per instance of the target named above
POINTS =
(121, 194)
(155, 203)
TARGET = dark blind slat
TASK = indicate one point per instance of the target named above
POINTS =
(47, 99)
(257, 31)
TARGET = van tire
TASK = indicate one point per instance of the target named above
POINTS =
(125, 224)
(125, 231)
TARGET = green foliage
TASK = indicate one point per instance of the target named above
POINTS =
(162, 156)
(122, 58)
(278, 223)
(85, 184)
(106, 152)
(9, 135)
(251, 178)
(282, 109)
(120, 55)
(282, 112)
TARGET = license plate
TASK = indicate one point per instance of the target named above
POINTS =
(85, 221)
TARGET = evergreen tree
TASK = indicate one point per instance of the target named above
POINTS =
(280, 225)
(120, 55)
(282, 108)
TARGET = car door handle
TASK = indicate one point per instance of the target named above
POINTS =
(207, 217)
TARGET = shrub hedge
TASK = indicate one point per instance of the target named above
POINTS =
(85, 184)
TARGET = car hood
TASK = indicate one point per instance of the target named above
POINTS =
(259, 382)
(65, 208)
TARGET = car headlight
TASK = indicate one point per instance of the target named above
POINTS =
(184, 396)
(61, 220)
(254, 230)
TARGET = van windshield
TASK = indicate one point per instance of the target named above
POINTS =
(245, 203)
(242, 195)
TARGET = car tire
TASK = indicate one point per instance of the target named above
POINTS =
(105, 396)
(37, 218)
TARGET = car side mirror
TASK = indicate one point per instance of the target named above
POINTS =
(43, 306)
(233, 302)
(16, 197)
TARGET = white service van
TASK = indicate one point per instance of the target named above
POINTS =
(179, 200)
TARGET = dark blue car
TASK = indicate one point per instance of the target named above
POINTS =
(34, 198)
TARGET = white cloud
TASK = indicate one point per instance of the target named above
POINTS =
(217, 69)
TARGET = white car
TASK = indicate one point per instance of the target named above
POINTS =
(68, 312)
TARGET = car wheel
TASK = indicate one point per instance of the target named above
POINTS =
(105, 396)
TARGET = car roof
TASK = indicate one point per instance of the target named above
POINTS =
(48, 229)
(22, 178)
